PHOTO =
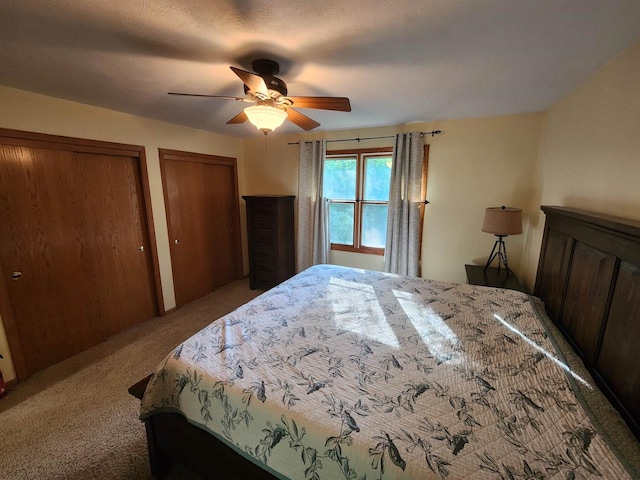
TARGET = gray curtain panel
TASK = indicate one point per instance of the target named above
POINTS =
(313, 232)
(402, 249)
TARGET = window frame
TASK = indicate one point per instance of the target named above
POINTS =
(357, 221)
(358, 204)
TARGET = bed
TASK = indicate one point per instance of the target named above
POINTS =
(344, 373)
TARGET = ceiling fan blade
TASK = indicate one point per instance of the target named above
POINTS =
(239, 118)
(207, 96)
(301, 120)
(254, 82)
(340, 104)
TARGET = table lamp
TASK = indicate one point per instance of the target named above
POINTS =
(501, 221)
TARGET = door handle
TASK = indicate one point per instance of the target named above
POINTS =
(176, 241)
(16, 275)
(141, 248)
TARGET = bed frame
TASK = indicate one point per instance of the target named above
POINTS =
(171, 439)
(589, 278)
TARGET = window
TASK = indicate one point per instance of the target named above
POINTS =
(356, 184)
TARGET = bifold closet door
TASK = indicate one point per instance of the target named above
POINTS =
(202, 208)
(74, 250)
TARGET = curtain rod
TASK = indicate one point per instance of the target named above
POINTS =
(433, 133)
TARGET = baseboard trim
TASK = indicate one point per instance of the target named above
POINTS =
(9, 384)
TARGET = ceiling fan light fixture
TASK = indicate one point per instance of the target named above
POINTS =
(265, 118)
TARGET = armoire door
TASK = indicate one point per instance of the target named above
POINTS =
(202, 205)
(74, 249)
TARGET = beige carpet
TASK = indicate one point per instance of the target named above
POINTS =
(75, 420)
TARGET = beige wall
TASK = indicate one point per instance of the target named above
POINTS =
(273, 169)
(474, 164)
(27, 111)
(590, 149)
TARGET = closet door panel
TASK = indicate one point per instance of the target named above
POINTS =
(73, 276)
(41, 239)
(188, 234)
(202, 215)
(114, 219)
(223, 218)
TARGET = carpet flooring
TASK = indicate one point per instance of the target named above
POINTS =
(76, 420)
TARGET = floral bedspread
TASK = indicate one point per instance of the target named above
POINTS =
(345, 373)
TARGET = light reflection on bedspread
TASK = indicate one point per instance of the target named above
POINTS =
(344, 373)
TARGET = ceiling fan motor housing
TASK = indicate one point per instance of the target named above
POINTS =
(267, 69)
(274, 84)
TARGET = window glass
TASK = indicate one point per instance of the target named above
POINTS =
(374, 225)
(356, 184)
(377, 177)
(340, 178)
(341, 218)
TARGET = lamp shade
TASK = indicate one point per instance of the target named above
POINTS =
(502, 221)
(265, 118)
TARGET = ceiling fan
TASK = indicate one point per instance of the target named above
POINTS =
(272, 105)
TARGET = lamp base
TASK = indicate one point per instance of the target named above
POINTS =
(499, 251)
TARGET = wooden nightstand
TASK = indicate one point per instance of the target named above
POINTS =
(491, 278)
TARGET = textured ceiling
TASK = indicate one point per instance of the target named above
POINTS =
(398, 60)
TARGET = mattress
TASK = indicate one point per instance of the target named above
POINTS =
(346, 373)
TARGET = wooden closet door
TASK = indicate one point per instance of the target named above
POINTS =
(203, 219)
(72, 224)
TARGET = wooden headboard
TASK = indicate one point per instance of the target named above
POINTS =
(589, 278)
